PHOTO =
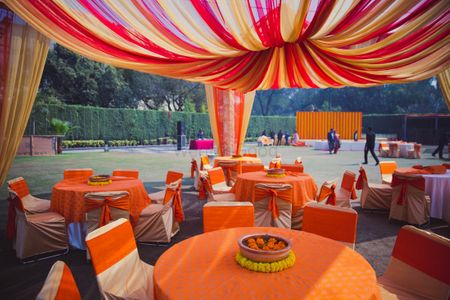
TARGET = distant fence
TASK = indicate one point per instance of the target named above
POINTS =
(315, 125)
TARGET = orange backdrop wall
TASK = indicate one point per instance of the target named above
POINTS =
(315, 125)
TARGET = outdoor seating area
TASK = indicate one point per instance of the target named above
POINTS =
(132, 168)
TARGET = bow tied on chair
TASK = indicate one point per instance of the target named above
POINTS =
(404, 181)
(274, 191)
(361, 178)
(194, 167)
(173, 192)
(105, 201)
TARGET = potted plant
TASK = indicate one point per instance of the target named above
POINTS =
(61, 128)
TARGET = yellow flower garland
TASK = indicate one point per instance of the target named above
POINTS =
(275, 175)
(266, 267)
(100, 182)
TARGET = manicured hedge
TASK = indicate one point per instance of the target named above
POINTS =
(94, 123)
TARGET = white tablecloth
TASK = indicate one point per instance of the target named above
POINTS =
(437, 186)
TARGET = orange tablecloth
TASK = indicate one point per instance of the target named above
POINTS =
(410, 171)
(304, 187)
(68, 196)
(245, 159)
(203, 267)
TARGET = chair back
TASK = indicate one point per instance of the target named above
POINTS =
(348, 181)
(405, 184)
(172, 197)
(194, 168)
(417, 150)
(327, 192)
(393, 150)
(222, 215)
(111, 246)
(204, 163)
(19, 186)
(78, 173)
(126, 173)
(275, 163)
(337, 223)
(362, 179)
(231, 170)
(103, 207)
(173, 176)
(273, 202)
(298, 161)
(250, 167)
(387, 167)
(295, 168)
(250, 155)
(216, 177)
(420, 263)
(59, 284)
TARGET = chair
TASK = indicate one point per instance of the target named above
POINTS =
(250, 155)
(250, 167)
(217, 180)
(104, 207)
(347, 190)
(121, 274)
(171, 176)
(394, 150)
(126, 173)
(30, 203)
(337, 223)
(273, 205)
(159, 222)
(275, 163)
(327, 194)
(217, 195)
(415, 152)
(35, 234)
(383, 149)
(59, 284)
(295, 168)
(419, 266)
(231, 170)
(387, 168)
(409, 202)
(78, 173)
(373, 196)
(204, 163)
(222, 215)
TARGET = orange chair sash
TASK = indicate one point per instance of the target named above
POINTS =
(204, 160)
(262, 193)
(175, 194)
(328, 193)
(67, 287)
(361, 179)
(275, 165)
(246, 167)
(105, 216)
(194, 167)
(20, 187)
(417, 182)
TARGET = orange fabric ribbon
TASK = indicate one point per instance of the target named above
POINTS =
(194, 167)
(417, 182)
(361, 178)
(175, 194)
(274, 165)
(328, 193)
(105, 215)
(262, 193)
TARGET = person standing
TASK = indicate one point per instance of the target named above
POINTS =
(286, 138)
(337, 142)
(279, 136)
(330, 138)
(295, 138)
(370, 146)
(355, 136)
(443, 140)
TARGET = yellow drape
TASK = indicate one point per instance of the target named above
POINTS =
(444, 84)
(27, 57)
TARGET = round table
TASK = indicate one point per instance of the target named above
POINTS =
(68, 200)
(204, 267)
(437, 186)
(304, 187)
(244, 159)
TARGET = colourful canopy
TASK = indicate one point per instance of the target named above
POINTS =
(255, 44)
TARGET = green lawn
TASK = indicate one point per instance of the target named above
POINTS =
(42, 173)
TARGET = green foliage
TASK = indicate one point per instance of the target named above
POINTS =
(94, 123)
(61, 127)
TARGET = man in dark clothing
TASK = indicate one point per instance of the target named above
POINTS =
(443, 141)
(279, 136)
(330, 138)
(286, 137)
(370, 146)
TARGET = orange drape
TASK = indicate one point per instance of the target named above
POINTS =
(315, 125)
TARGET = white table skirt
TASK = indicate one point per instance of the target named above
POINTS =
(437, 186)
(345, 145)
(404, 148)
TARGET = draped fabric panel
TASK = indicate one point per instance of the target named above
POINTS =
(444, 84)
(229, 113)
(255, 44)
(23, 51)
